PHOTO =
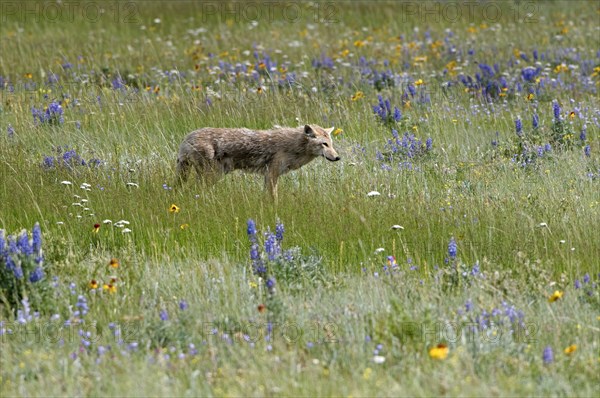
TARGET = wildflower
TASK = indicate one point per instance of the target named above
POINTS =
(391, 261)
(555, 296)
(114, 263)
(577, 284)
(93, 284)
(587, 151)
(82, 306)
(251, 228)
(271, 285)
(373, 193)
(279, 230)
(184, 226)
(519, 127)
(428, 144)
(452, 249)
(183, 305)
(174, 208)
(556, 110)
(358, 95)
(96, 228)
(397, 114)
(36, 275)
(572, 115)
(109, 287)
(570, 349)
(23, 244)
(469, 305)
(261, 308)
(548, 355)
(10, 131)
(337, 132)
(530, 96)
(535, 120)
(254, 255)
(440, 351)
(164, 316)
(586, 278)
(378, 359)
(583, 135)
(271, 246)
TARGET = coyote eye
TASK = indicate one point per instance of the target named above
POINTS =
(325, 144)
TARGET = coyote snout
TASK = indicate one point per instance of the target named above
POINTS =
(217, 151)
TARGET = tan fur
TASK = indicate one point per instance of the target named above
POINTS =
(217, 151)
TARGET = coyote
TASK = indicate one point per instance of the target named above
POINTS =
(217, 151)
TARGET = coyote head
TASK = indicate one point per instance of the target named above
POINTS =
(320, 142)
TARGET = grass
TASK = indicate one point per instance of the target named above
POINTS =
(188, 316)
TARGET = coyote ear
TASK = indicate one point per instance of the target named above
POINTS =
(330, 130)
(309, 131)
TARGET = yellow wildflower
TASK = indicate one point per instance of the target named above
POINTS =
(357, 95)
(555, 296)
(174, 208)
(440, 351)
(570, 349)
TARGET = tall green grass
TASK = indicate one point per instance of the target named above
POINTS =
(531, 230)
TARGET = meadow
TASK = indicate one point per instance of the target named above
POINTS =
(452, 251)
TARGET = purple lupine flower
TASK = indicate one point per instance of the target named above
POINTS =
(535, 120)
(556, 110)
(519, 127)
(587, 151)
(548, 355)
(183, 305)
(270, 283)
(271, 247)
(2, 243)
(82, 306)
(10, 131)
(36, 275)
(251, 230)
(164, 315)
(36, 239)
(452, 248)
(397, 114)
(279, 230)
(254, 255)
(469, 305)
(428, 144)
(23, 244)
